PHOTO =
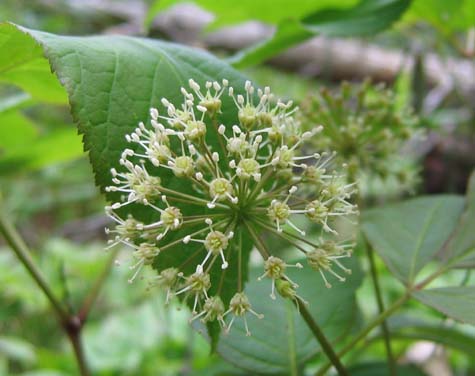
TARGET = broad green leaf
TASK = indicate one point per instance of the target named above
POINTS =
(382, 369)
(461, 247)
(112, 82)
(408, 235)
(365, 18)
(271, 11)
(281, 340)
(455, 302)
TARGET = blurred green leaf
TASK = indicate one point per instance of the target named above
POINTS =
(15, 128)
(447, 16)
(16, 131)
(45, 372)
(18, 285)
(31, 154)
(408, 235)
(455, 302)
(365, 18)
(282, 340)
(120, 341)
(22, 64)
(22, 146)
(270, 11)
(17, 349)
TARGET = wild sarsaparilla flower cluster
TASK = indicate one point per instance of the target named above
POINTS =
(212, 187)
(366, 126)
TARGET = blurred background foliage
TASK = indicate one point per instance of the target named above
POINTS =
(48, 187)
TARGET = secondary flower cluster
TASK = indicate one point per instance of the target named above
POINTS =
(209, 185)
(366, 127)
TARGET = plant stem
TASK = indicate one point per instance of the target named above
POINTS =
(16, 243)
(380, 303)
(71, 324)
(377, 321)
(293, 368)
(301, 307)
(74, 335)
(321, 338)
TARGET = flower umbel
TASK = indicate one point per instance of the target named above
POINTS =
(366, 127)
(207, 186)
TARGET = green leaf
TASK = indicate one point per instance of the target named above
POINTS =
(461, 247)
(112, 82)
(281, 340)
(110, 347)
(382, 369)
(23, 145)
(270, 11)
(455, 302)
(288, 34)
(447, 16)
(408, 235)
(22, 64)
(365, 18)
(11, 119)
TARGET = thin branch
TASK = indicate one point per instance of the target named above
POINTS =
(18, 246)
(380, 303)
(376, 322)
(321, 338)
